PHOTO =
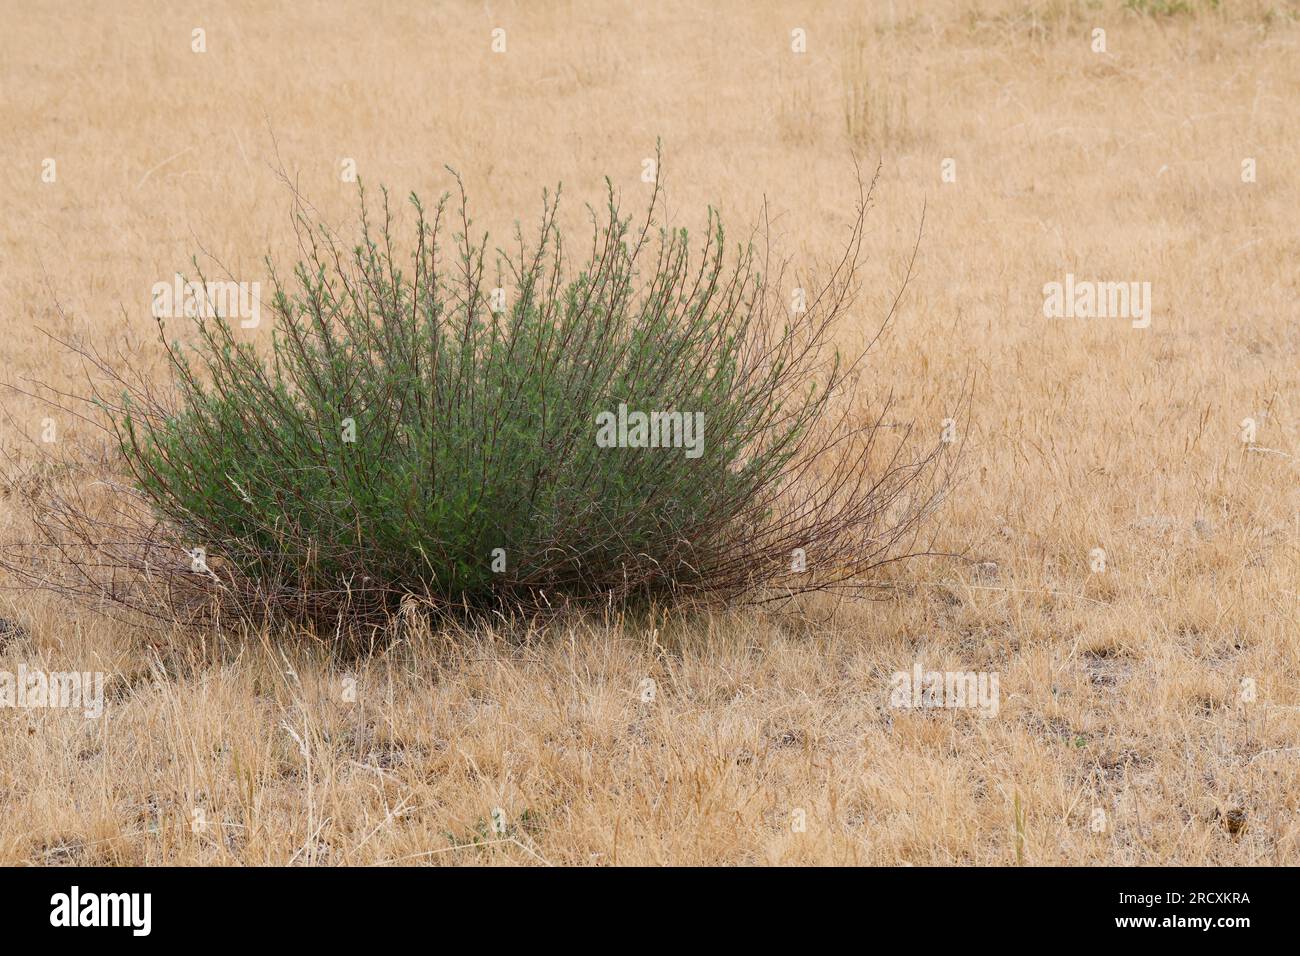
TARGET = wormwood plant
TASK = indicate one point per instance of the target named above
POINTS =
(656, 419)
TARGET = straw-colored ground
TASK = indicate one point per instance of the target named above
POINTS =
(1126, 690)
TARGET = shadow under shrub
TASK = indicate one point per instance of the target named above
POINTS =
(423, 428)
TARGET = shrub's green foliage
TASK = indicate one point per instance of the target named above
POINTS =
(412, 432)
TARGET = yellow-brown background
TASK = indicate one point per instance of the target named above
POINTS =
(1120, 691)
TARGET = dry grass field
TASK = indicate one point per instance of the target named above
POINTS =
(1158, 688)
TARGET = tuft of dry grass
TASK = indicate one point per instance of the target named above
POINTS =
(1158, 691)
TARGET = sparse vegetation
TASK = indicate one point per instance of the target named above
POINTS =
(1149, 713)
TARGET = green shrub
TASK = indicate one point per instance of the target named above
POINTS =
(413, 431)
